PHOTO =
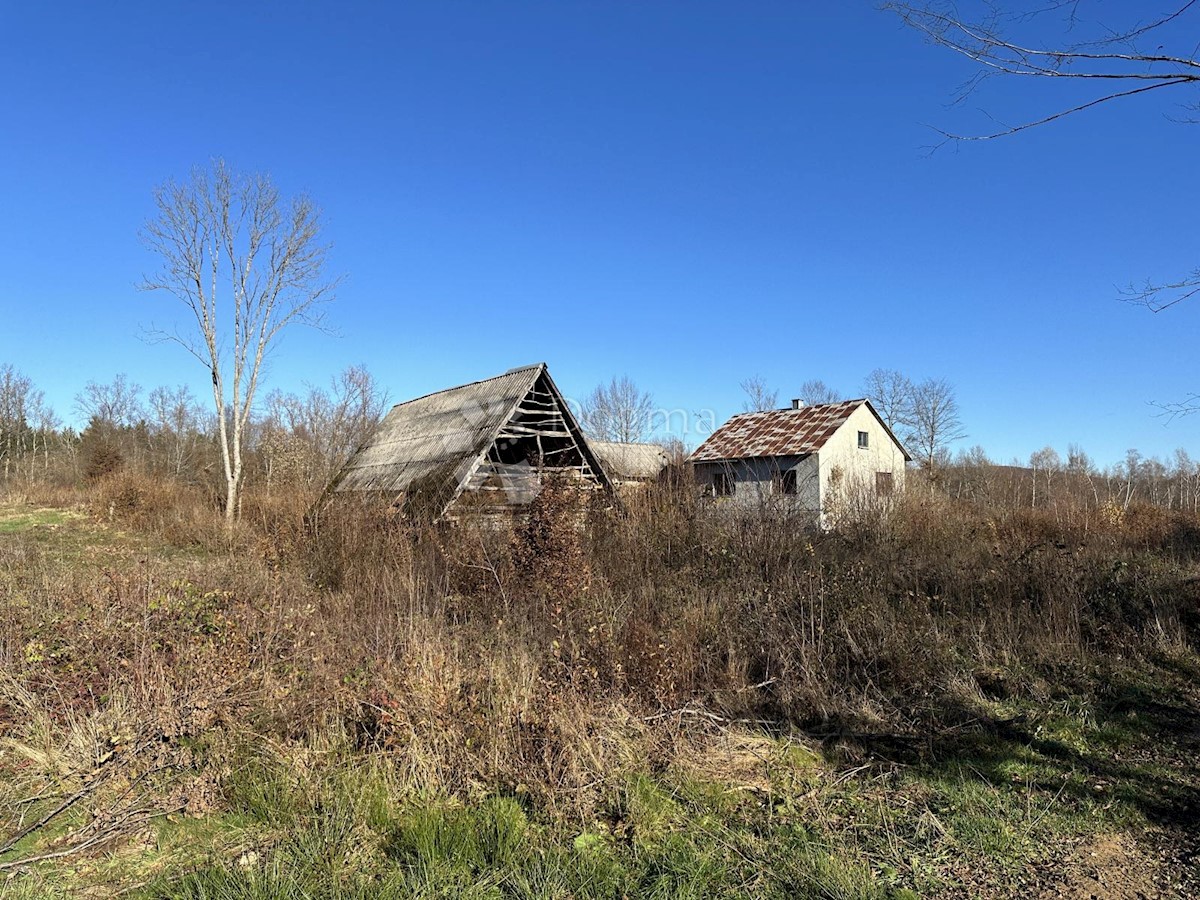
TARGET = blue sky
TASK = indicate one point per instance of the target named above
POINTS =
(687, 193)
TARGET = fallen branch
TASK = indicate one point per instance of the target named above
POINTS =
(62, 807)
(712, 717)
(57, 854)
(36, 797)
(123, 827)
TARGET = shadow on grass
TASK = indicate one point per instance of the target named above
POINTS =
(1119, 754)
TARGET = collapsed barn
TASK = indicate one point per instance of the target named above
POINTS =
(488, 445)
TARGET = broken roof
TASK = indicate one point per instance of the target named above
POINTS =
(781, 432)
(458, 439)
(440, 432)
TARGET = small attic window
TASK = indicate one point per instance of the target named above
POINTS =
(864, 440)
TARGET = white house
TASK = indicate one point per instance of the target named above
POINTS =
(807, 458)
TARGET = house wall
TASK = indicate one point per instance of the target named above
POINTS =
(848, 472)
(756, 483)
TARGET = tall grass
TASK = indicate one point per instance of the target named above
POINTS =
(543, 660)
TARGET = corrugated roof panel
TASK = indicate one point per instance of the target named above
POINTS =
(441, 432)
(630, 461)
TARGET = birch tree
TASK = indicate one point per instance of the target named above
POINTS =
(246, 264)
(17, 397)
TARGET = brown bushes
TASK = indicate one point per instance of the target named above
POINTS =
(178, 513)
(537, 652)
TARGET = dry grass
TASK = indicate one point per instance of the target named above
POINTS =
(546, 660)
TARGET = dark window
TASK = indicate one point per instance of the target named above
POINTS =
(883, 483)
(722, 484)
(864, 440)
(785, 482)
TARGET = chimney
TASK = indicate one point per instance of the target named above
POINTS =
(797, 403)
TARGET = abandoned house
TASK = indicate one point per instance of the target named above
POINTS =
(630, 464)
(488, 445)
(807, 458)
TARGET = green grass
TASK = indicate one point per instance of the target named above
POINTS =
(346, 833)
(977, 811)
(15, 520)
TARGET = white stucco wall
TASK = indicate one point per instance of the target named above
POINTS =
(848, 471)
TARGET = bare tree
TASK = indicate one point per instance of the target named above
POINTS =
(1186, 471)
(312, 435)
(1049, 41)
(1047, 462)
(358, 404)
(975, 456)
(1078, 462)
(891, 393)
(617, 411)
(1128, 475)
(17, 401)
(117, 404)
(758, 396)
(45, 424)
(935, 421)
(246, 264)
(814, 392)
(28, 424)
(177, 421)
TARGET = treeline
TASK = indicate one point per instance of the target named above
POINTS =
(301, 439)
(1074, 486)
(298, 439)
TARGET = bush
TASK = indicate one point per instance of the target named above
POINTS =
(487, 653)
(180, 514)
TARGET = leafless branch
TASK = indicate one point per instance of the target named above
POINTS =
(1158, 297)
(1113, 58)
(1179, 408)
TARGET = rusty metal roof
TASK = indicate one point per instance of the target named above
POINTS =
(777, 432)
(439, 435)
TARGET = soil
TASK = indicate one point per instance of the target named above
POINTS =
(1110, 867)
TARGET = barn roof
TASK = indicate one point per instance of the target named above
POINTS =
(631, 461)
(781, 432)
(440, 433)
(491, 435)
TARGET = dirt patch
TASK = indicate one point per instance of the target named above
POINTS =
(1116, 867)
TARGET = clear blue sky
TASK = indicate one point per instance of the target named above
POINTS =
(689, 193)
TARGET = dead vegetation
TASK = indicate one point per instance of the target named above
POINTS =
(155, 669)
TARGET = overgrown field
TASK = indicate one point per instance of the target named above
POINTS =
(674, 701)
